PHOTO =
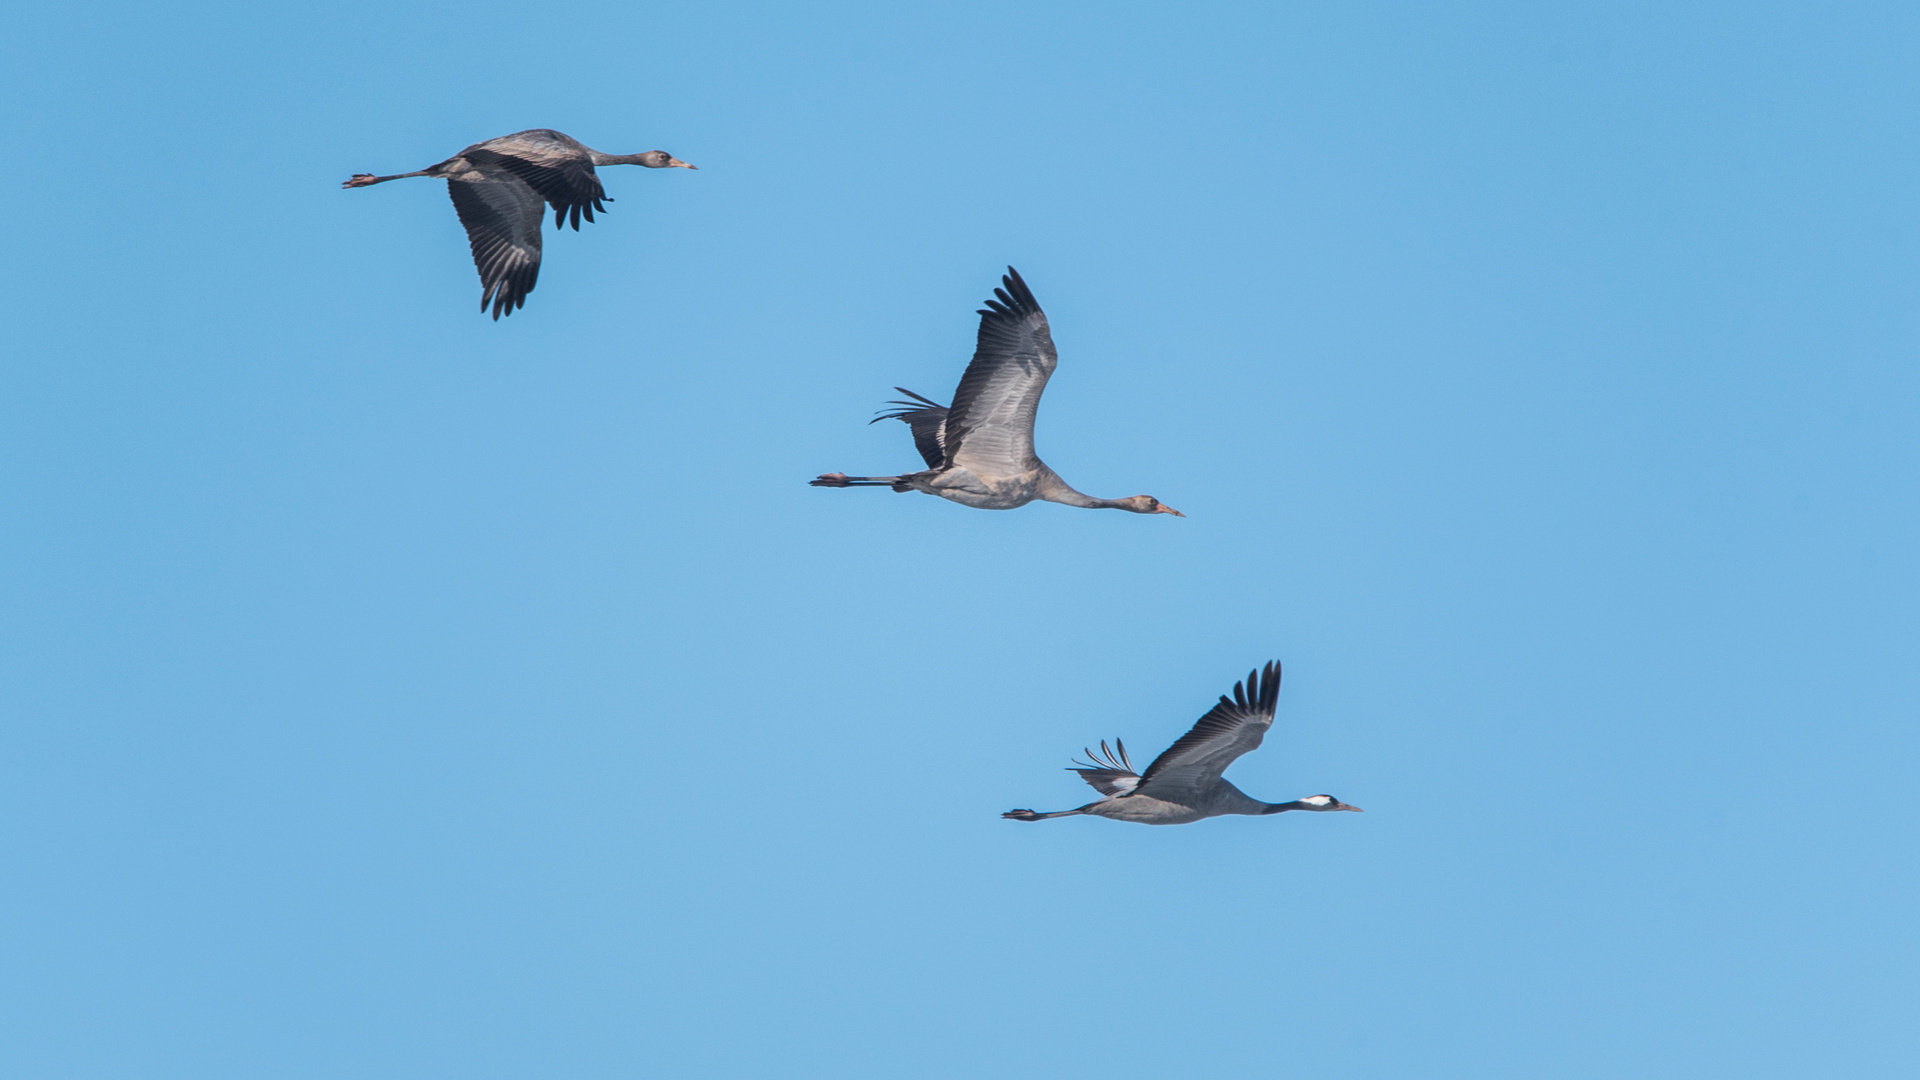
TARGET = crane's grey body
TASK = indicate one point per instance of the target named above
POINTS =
(979, 451)
(500, 188)
(1184, 784)
(1222, 798)
(989, 492)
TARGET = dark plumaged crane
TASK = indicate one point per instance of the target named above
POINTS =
(1184, 784)
(979, 450)
(498, 187)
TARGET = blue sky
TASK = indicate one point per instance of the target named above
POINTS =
(389, 692)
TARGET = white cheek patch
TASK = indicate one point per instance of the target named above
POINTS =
(1318, 800)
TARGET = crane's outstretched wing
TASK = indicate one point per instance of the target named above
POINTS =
(502, 217)
(990, 423)
(927, 419)
(552, 164)
(1110, 772)
(1229, 729)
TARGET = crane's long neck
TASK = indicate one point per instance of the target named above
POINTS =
(1283, 807)
(1071, 497)
(1053, 489)
(616, 159)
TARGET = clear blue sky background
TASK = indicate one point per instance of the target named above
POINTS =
(389, 692)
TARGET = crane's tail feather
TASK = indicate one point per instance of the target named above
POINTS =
(1110, 772)
(927, 419)
(1115, 760)
(910, 410)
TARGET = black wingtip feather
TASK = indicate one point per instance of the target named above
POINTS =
(1262, 689)
(1017, 292)
(1012, 298)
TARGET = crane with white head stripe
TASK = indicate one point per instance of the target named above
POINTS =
(1185, 784)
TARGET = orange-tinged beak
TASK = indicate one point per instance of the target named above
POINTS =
(676, 163)
(1165, 509)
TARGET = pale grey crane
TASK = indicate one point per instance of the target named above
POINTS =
(979, 450)
(1184, 784)
(498, 187)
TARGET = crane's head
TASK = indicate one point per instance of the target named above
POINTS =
(1147, 504)
(1324, 802)
(660, 159)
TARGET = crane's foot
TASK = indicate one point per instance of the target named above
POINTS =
(359, 179)
(1021, 815)
(832, 479)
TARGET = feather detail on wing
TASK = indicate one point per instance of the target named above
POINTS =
(927, 419)
(990, 423)
(1108, 771)
(502, 217)
(1231, 728)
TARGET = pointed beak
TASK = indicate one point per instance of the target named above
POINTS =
(1355, 809)
(1165, 509)
(676, 163)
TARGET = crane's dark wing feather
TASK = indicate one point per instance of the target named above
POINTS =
(552, 164)
(990, 423)
(1109, 772)
(1230, 729)
(502, 218)
(927, 419)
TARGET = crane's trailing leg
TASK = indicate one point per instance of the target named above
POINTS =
(836, 479)
(1030, 815)
(364, 179)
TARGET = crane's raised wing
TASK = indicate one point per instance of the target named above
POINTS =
(1229, 729)
(502, 217)
(552, 164)
(927, 419)
(990, 423)
(1110, 772)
